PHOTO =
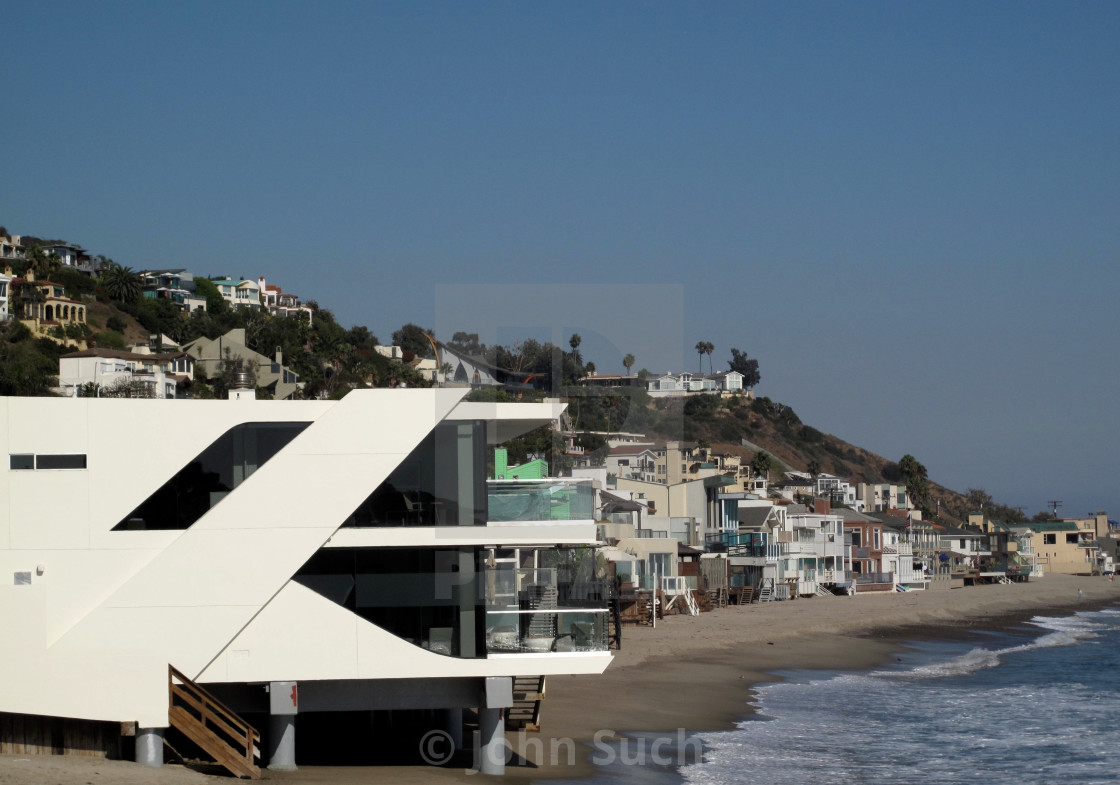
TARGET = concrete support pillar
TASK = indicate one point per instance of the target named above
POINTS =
(282, 742)
(453, 726)
(149, 746)
(492, 741)
(283, 706)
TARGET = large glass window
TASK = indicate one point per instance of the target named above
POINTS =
(430, 597)
(217, 470)
(441, 483)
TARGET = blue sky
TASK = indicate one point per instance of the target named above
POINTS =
(908, 212)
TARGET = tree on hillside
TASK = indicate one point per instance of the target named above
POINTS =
(574, 342)
(814, 472)
(466, 343)
(915, 476)
(749, 368)
(412, 338)
(121, 284)
(628, 363)
(761, 464)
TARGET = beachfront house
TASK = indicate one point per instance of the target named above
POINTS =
(332, 567)
(1068, 547)
(963, 550)
(813, 551)
(865, 536)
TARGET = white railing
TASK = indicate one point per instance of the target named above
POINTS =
(675, 585)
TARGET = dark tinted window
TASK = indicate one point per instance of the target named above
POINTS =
(60, 461)
(441, 483)
(428, 596)
(22, 461)
(216, 471)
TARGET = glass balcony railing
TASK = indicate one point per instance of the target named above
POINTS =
(539, 500)
(536, 611)
(514, 631)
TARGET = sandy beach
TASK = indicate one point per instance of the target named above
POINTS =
(690, 674)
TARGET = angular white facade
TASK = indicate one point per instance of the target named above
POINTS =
(208, 535)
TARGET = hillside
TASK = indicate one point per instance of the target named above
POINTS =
(742, 427)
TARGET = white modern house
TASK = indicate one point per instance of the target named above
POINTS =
(306, 558)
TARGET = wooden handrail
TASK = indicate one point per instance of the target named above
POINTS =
(212, 725)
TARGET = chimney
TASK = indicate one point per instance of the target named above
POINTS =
(241, 387)
(822, 506)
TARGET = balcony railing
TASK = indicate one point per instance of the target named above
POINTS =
(532, 611)
(516, 631)
(539, 500)
(874, 578)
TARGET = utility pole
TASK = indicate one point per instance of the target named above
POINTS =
(1054, 505)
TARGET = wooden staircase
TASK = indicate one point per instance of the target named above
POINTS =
(203, 719)
(647, 606)
(525, 714)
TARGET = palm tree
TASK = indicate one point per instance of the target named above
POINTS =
(814, 470)
(628, 363)
(709, 347)
(121, 283)
(761, 464)
(701, 347)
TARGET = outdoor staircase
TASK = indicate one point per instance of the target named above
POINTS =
(647, 606)
(718, 597)
(203, 719)
(766, 591)
(525, 714)
(542, 598)
(690, 601)
(824, 592)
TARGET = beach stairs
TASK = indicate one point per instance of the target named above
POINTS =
(823, 591)
(717, 598)
(214, 728)
(766, 591)
(647, 606)
(690, 601)
(525, 713)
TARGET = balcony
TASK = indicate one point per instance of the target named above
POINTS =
(510, 631)
(523, 501)
(529, 612)
(871, 578)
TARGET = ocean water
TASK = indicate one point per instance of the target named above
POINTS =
(1036, 705)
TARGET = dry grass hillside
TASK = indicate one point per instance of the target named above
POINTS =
(740, 427)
